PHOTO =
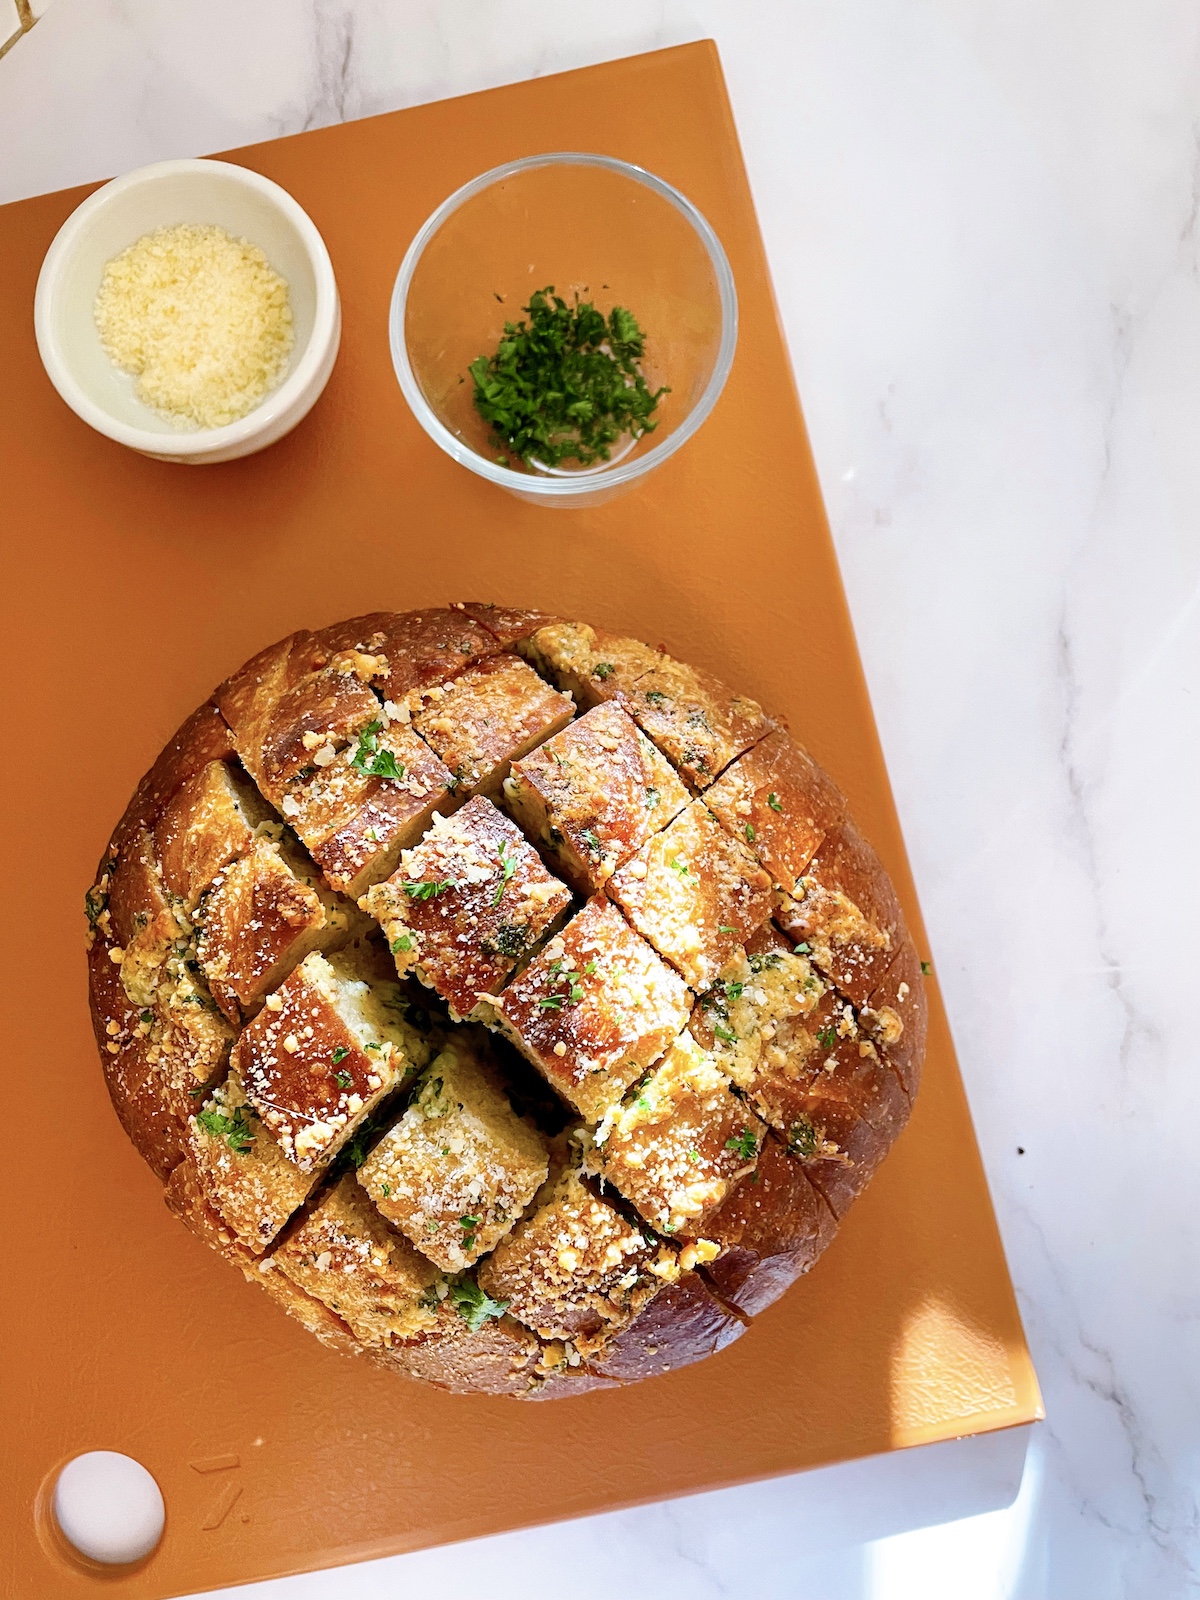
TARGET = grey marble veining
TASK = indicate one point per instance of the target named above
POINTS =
(984, 226)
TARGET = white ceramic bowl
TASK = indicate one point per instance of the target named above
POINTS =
(247, 205)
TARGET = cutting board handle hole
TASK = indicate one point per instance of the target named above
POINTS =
(101, 1512)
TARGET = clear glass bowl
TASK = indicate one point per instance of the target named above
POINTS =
(590, 225)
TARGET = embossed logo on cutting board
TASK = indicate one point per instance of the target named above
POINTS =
(230, 1491)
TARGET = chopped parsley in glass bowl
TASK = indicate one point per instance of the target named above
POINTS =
(563, 324)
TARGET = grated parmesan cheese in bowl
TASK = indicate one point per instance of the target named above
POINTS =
(201, 347)
(201, 319)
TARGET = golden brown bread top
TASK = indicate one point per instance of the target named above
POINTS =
(466, 904)
(685, 1322)
(347, 1256)
(680, 1145)
(593, 795)
(262, 915)
(779, 801)
(206, 826)
(728, 1013)
(577, 1267)
(895, 1016)
(243, 1174)
(507, 625)
(845, 912)
(459, 1167)
(486, 718)
(695, 892)
(594, 1009)
(315, 1061)
(419, 647)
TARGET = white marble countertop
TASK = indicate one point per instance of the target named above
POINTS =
(983, 225)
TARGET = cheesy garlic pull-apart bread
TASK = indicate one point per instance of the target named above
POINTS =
(518, 1006)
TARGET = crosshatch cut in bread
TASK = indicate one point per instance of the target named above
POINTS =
(518, 1006)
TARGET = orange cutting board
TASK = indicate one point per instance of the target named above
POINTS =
(130, 588)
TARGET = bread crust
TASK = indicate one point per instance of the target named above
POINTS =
(487, 718)
(507, 625)
(153, 1111)
(772, 1229)
(846, 912)
(684, 1323)
(211, 821)
(776, 798)
(418, 647)
(246, 1179)
(347, 1256)
(498, 1358)
(576, 1268)
(186, 1198)
(801, 1064)
(896, 1016)
(682, 1144)
(698, 723)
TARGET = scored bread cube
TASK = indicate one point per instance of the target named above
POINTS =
(159, 1056)
(292, 698)
(351, 1259)
(186, 1197)
(323, 1052)
(484, 720)
(506, 624)
(210, 822)
(576, 1268)
(841, 1151)
(681, 1142)
(241, 1171)
(162, 1024)
(695, 892)
(593, 1009)
(835, 1100)
(590, 665)
(685, 1322)
(591, 796)
(312, 1315)
(146, 927)
(467, 904)
(262, 916)
(186, 1039)
(827, 1055)
(474, 1349)
(416, 648)
(895, 1016)
(698, 723)
(752, 1015)
(203, 737)
(770, 1230)
(780, 802)
(129, 893)
(361, 805)
(845, 913)
(459, 1167)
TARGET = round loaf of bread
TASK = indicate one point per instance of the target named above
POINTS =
(517, 1005)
